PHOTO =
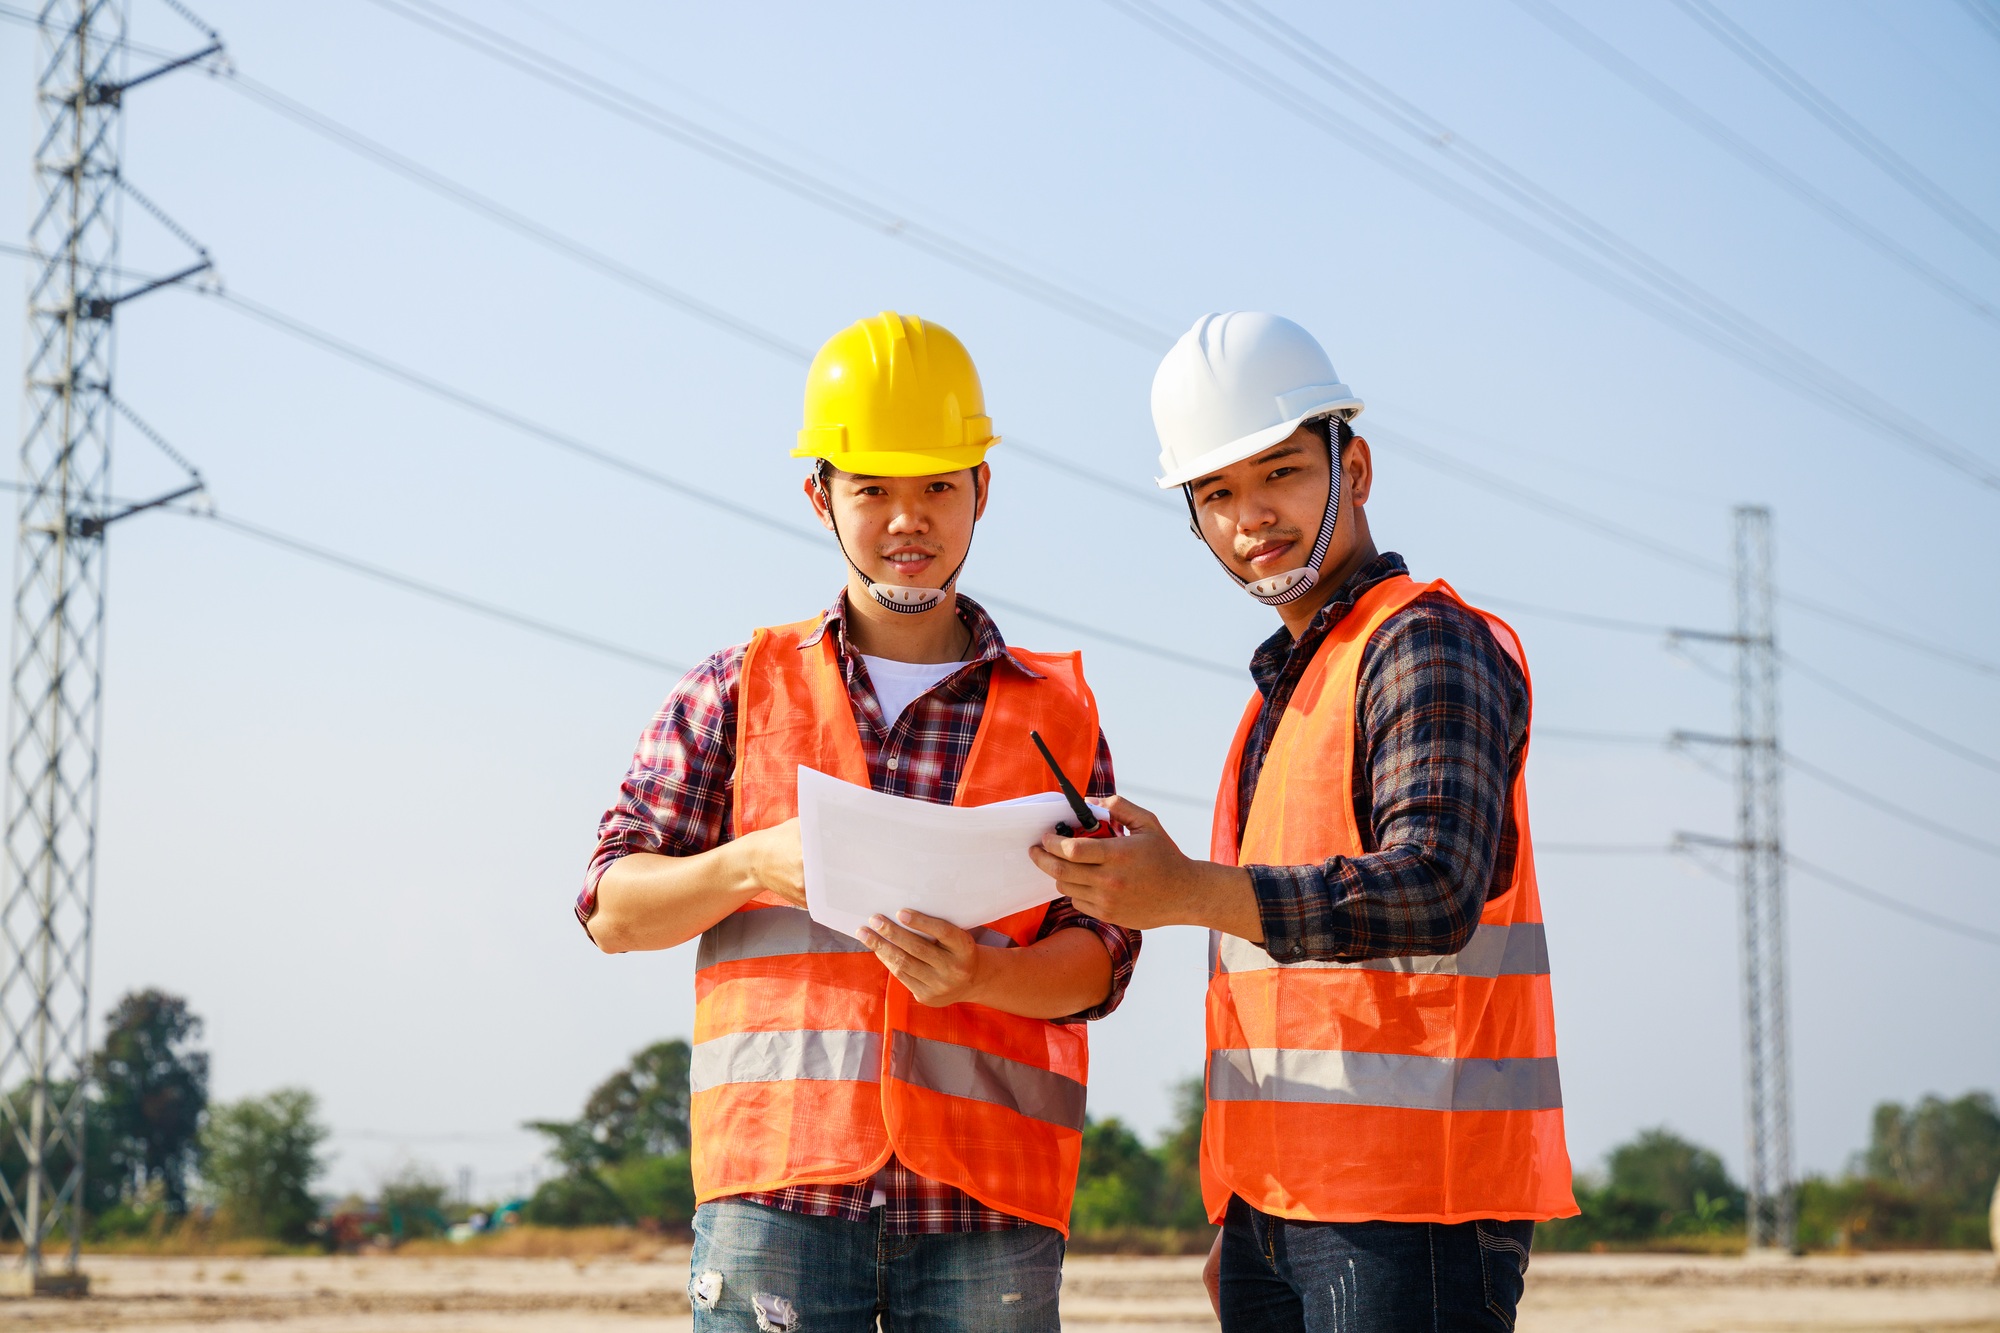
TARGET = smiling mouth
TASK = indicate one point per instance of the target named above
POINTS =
(1266, 554)
(909, 563)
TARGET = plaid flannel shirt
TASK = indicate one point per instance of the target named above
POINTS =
(676, 800)
(1440, 725)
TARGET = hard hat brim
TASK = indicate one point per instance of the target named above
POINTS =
(904, 463)
(1256, 442)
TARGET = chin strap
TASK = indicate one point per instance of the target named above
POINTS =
(898, 597)
(1293, 584)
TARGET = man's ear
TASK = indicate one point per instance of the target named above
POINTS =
(819, 500)
(1357, 471)
(982, 480)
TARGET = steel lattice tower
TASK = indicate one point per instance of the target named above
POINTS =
(1761, 889)
(58, 633)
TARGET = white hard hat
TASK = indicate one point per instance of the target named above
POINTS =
(1235, 384)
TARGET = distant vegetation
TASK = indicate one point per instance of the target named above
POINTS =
(1925, 1181)
(167, 1168)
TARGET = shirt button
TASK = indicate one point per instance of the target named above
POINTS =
(892, 763)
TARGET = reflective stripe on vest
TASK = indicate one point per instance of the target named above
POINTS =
(1367, 1078)
(1413, 1089)
(774, 932)
(961, 1071)
(825, 1055)
(1520, 950)
(811, 1064)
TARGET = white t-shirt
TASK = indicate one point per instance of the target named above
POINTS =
(897, 684)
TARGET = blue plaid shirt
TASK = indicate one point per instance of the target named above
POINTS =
(1440, 725)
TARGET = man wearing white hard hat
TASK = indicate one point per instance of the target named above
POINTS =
(1383, 1124)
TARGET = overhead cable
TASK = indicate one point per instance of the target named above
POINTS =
(606, 458)
(1894, 719)
(1829, 113)
(1951, 924)
(1665, 96)
(651, 116)
(347, 137)
(549, 237)
(1985, 13)
(381, 574)
(1889, 807)
(1626, 535)
(1586, 248)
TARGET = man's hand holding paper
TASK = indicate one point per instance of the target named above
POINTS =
(867, 854)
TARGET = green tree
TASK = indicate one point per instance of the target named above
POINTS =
(413, 1204)
(259, 1159)
(1947, 1150)
(640, 1111)
(101, 1169)
(152, 1089)
(625, 1159)
(1180, 1160)
(1681, 1186)
(1118, 1181)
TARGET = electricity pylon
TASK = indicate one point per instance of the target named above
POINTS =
(54, 703)
(1760, 876)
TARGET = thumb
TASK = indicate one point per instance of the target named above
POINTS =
(1134, 817)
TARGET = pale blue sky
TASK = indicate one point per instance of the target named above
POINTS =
(347, 823)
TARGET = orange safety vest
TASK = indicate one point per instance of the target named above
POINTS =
(811, 1063)
(1417, 1089)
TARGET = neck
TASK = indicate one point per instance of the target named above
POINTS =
(936, 635)
(1297, 615)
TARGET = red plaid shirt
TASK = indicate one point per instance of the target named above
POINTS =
(676, 801)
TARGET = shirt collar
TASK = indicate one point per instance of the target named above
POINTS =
(987, 645)
(1268, 663)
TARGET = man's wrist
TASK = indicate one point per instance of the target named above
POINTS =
(1228, 901)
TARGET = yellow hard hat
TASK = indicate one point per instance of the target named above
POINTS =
(893, 396)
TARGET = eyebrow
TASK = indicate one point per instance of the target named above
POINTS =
(1285, 450)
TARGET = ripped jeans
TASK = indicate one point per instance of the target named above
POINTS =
(757, 1269)
(1369, 1277)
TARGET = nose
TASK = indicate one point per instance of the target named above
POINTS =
(908, 522)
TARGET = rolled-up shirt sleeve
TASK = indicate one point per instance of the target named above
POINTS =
(1120, 943)
(1441, 716)
(676, 795)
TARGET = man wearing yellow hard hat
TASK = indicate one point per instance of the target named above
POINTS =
(890, 1125)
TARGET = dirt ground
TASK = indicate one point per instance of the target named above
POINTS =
(1567, 1293)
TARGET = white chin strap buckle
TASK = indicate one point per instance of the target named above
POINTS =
(1286, 587)
(909, 600)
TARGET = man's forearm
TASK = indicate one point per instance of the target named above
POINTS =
(1398, 902)
(649, 901)
(1064, 974)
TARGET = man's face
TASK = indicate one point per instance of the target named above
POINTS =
(912, 531)
(1262, 515)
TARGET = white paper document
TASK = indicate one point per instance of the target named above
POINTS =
(867, 853)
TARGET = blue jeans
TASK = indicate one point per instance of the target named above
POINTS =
(762, 1269)
(1369, 1277)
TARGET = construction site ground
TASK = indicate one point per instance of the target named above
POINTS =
(1959, 1293)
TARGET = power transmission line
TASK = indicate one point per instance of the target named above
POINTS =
(1612, 262)
(1829, 113)
(1965, 929)
(1434, 457)
(545, 236)
(1889, 807)
(1663, 95)
(1985, 13)
(1894, 719)
(733, 153)
(435, 592)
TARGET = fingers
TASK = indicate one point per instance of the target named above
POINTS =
(1080, 851)
(1132, 816)
(948, 936)
(911, 941)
